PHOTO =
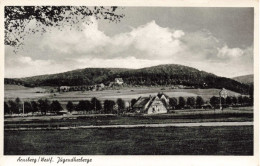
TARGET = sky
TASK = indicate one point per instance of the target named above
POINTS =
(215, 40)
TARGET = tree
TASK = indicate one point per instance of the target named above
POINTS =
(27, 107)
(70, 106)
(17, 19)
(34, 106)
(14, 108)
(251, 94)
(214, 101)
(246, 100)
(121, 105)
(109, 106)
(84, 105)
(173, 102)
(182, 102)
(55, 106)
(199, 101)
(133, 101)
(18, 103)
(240, 100)
(191, 101)
(6, 108)
(44, 106)
(95, 104)
(234, 100)
(228, 101)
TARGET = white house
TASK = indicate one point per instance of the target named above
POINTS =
(152, 105)
(64, 88)
(119, 81)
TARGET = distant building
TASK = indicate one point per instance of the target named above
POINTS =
(152, 105)
(100, 86)
(119, 81)
(64, 88)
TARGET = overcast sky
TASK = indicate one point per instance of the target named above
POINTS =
(216, 40)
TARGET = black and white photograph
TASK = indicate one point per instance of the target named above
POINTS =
(129, 80)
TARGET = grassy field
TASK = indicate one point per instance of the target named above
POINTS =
(126, 93)
(242, 114)
(139, 141)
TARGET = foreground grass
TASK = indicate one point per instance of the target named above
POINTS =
(124, 120)
(139, 141)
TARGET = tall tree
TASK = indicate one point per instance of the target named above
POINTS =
(70, 106)
(173, 102)
(251, 94)
(240, 100)
(191, 101)
(34, 105)
(18, 18)
(199, 101)
(182, 102)
(214, 101)
(55, 106)
(246, 100)
(109, 106)
(27, 107)
(228, 101)
(44, 106)
(133, 101)
(14, 108)
(6, 108)
(84, 105)
(96, 104)
(18, 103)
(121, 105)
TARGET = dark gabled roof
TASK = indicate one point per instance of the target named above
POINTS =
(164, 103)
(141, 102)
(151, 102)
(161, 94)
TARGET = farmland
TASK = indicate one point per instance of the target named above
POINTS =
(125, 93)
(43, 135)
(228, 140)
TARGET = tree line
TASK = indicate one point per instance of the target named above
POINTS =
(94, 105)
(45, 106)
(214, 102)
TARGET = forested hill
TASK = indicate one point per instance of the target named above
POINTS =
(156, 75)
(246, 79)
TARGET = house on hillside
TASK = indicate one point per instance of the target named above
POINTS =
(100, 86)
(64, 88)
(119, 81)
(152, 105)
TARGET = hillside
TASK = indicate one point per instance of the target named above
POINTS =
(245, 79)
(151, 76)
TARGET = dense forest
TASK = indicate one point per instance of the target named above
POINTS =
(162, 75)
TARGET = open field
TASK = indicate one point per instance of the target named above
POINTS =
(125, 93)
(179, 116)
(14, 91)
(228, 140)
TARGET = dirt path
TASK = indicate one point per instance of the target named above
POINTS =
(142, 126)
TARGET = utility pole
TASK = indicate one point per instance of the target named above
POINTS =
(23, 109)
(223, 93)
(95, 106)
(220, 106)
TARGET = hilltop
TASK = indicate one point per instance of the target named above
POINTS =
(245, 79)
(165, 75)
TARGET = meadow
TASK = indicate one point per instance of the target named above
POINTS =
(228, 140)
(126, 93)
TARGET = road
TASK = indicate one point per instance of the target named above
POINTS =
(142, 126)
